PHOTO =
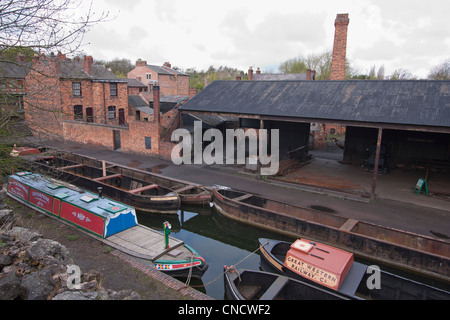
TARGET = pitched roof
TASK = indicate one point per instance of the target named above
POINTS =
(74, 70)
(279, 76)
(14, 70)
(405, 102)
(165, 70)
(134, 83)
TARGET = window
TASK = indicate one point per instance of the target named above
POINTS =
(149, 76)
(78, 112)
(138, 115)
(148, 142)
(113, 89)
(89, 115)
(111, 112)
(76, 89)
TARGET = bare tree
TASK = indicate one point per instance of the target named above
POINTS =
(41, 26)
(46, 25)
(440, 72)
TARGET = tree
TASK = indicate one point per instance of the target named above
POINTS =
(440, 72)
(401, 74)
(120, 67)
(320, 62)
(29, 27)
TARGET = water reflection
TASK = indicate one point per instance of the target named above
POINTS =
(221, 241)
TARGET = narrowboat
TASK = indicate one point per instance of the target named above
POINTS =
(397, 248)
(335, 270)
(259, 285)
(188, 193)
(107, 220)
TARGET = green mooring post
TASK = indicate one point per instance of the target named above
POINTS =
(167, 228)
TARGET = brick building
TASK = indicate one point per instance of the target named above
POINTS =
(61, 90)
(77, 100)
(171, 82)
(12, 85)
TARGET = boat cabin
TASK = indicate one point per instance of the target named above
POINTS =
(100, 216)
(320, 263)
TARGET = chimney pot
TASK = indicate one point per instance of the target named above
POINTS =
(258, 71)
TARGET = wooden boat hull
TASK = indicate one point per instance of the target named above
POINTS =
(401, 249)
(192, 266)
(259, 285)
(119, 186)
(189, 193)
(393, 287)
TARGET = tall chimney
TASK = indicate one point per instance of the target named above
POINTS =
(339, 47)
(87, 65)
(156, 104)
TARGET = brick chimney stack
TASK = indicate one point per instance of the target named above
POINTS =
(167, 64)
(87, 64)
(141, 63)
(339, 47)
(250, 73)
(156, 104)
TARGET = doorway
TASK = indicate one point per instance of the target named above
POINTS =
(116, 139)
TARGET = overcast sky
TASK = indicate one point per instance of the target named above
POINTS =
(408, 34)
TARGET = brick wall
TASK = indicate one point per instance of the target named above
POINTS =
(134, 139)
(339, 47)
(43, 112)
(91, 133)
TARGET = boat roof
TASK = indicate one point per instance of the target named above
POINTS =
(88, 201)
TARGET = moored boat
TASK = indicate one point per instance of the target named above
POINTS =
(189, 193)
(398, 248)
(336, 271)
(259, 285)
(179, 265)
(107, 220)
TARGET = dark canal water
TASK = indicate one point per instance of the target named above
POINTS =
(222, 241)
(219, 240)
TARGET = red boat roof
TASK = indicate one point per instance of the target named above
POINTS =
(318, 262)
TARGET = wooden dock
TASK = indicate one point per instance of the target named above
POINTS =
(142, 242)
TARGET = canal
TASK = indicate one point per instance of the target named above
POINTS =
(225, 242)
(219, 240)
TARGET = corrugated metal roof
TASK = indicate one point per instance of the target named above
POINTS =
(407, 102)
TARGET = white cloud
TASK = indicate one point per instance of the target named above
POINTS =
(411, 34)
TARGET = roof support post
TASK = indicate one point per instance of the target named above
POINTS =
(377, 160)
(261, 126)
